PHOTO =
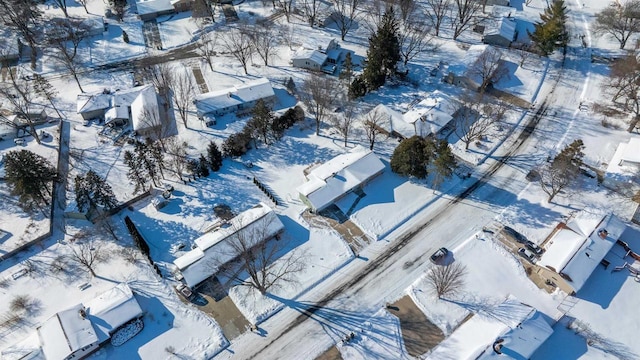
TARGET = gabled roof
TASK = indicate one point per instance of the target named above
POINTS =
(340, 175)
(576, 250)
(233, 96)
(432, 113)
(315, 56)
(146, 98)
(214, 248)
(112, 309)
(505, 27)
(66, 332)
(145, 7)
(394, 121)
(631, 151)
(521, 329)
(470, 57)
(91, 102)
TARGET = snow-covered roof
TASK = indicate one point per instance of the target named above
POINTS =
(118, 112)
(434, 112)
(471, 55)
(576, 249)
(521, 328)
(315, 56)
(112, 309)
(234, 96)
(146, 98)
(631, 151)
(8, 43)
(215, 248)
(65, 333)
(28, 348)
(394, 121)
(145, 7)
(91, 102)
(505, 27)
(340, 175)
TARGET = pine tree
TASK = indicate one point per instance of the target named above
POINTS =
(30, 176)
(357, 88)
(384, 51)
(551, 32)
(443, 164)
(411, 157)
(260, 123)
(203, 166)
(155, 152)
(192, 167)
(136, 172)
(93, 191)
(346, 73)
(214, 156)
(144, 157)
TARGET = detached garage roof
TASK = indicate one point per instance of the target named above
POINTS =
(336, 177)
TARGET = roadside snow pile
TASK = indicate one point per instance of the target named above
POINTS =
(127, 332)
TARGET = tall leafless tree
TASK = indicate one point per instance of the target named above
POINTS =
(161, 76)
(624, 83)
(287, 7)
(465, 15)
(65, 40)
(311, 9)
(489, 68)
(319, 95)
(84, 5)
(206, 46)
(345, 15)
(25, 17)
(43, 87)
(436, 11)
(261, 260)
(620, 20)
(87, 253)
(237, 42)
(406, 9)
(177, 151)
(19, 94)
(373, 125)
(373, 12)
(470, 122)
(447, 281)
(345, 121)
(62, 4)
(415, 38)
(183, 92)
(264, 41)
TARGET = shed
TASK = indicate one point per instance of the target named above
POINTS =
(339, 176)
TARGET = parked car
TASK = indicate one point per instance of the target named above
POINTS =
(512, 233)
(525, 253)
(184, 291)
(439, 255)
(18, 141)
(534, 248)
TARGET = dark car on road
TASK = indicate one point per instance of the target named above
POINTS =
(512, 233)
(439, 255)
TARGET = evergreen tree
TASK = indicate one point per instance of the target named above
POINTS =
(214, 156)
(93, 191)
(346, 73)
(551, 31)
(144, 157)
(411, 157)
(30, 176)
(357, 88)
(384, 51)
(443, 164)
(236, 144)
(155, 152)
(203, 166)
(260, 124)
(192, 167)
(136, 172)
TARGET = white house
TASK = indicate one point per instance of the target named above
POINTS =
(235, 99)
(128, 105)
(503, 33)
(216, 248)
(622, 172)
(68, 334)
(577, 248)
(430, 116)
(318, 58)
(334, 179)
(512, 330)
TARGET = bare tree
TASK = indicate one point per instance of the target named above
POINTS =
(447, 281)
(470, 122)
(288, 34)
(436, 12)
(63, 6)
(264, 41)
(44, 88)
(414, 39)
(562, 171)
(261, 260)
(345, 15)
(489, 67)
(162, 78)
(25, 17)
(311, 9)
(319, 95)
(287, 8)
(19, 94)
(620, 20)
(65, 41)
(104, 223)
(84, 5)
(87, 254)
(206, 46)
(373, 124)
(465, 15)
(237, 42)
(374, 11)
(178, 156)
(344, 121)
(406, 8)
(624, 82)
(183, 95)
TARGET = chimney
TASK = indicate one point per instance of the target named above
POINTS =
(603, 233)
(82, 313)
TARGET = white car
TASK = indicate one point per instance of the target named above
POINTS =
(527, 254)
